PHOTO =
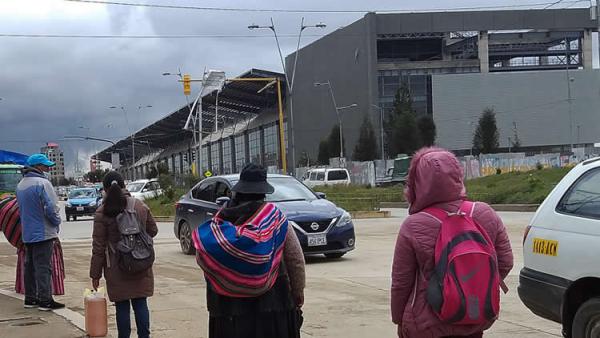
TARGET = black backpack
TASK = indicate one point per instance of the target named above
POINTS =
(134, 252)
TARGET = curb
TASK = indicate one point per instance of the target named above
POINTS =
(71, 316)
(370, 214)
(164, 218)
(497, 207)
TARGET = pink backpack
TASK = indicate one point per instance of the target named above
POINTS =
(464, 288)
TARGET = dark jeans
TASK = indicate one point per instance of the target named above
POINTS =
(142, 317)
(38, 271)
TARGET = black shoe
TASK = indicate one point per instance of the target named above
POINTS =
(30, 304)
(52, 305)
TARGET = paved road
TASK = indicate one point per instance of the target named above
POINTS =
(348, 297)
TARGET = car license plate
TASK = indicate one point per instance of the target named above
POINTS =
(79, 208)
(545, 247)
(317, 240)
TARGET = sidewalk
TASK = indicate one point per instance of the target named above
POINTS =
(17, 322)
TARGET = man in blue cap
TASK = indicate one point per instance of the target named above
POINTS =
(40, 219)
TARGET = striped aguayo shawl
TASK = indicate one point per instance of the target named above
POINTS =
(10, 221)
(242, 260)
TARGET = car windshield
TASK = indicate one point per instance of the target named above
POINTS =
(135, 187)
(288, 189)
(82, 193)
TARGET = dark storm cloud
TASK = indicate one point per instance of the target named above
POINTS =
(51, 87)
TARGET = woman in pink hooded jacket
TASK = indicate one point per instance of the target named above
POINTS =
(435, 180)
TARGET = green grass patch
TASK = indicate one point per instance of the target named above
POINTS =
(529, 187)
(164, 205)
(361, 198)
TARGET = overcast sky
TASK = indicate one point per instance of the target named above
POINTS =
(54, 87)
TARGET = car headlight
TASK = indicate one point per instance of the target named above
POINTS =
(345, 219)
(92, 203)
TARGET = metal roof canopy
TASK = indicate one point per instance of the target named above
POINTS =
(239, 100)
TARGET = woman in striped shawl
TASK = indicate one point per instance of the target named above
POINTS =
(10, 224)
(253, 264)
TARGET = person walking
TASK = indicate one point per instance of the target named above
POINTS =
(439, 274)
(125, 288)
(40, 219)
(253, 264)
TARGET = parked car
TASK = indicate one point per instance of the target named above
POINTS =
(321, 226)
(143, 189)
(82, 202)
(560, 280)
(326, 176)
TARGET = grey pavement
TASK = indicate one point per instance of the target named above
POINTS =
(17, 322)
(348, 297)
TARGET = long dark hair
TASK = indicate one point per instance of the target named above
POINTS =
(114, 201)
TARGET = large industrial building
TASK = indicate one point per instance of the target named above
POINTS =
(240, 123)
(533, 67)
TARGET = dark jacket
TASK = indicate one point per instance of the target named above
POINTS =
(119, 285)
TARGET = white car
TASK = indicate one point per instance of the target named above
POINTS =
(326, 176)
(561, 277)
(144, 189)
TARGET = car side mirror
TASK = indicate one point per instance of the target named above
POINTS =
(321, 195)
(145, 190)
(221, 201)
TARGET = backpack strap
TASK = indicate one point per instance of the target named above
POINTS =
(130, 204)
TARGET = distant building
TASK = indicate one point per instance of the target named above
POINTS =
(57, 173)
(95, 164)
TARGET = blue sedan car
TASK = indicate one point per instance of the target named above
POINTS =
(82, 202)
(321, 226)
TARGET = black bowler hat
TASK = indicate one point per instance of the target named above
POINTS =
(253, 180)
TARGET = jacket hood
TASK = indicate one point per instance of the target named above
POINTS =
(33, 172)
(435, 176)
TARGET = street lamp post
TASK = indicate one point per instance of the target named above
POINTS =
(381, 129)
(140, 107)
(290, 84)
(337, 112)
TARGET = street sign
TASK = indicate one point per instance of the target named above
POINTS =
(187, 88)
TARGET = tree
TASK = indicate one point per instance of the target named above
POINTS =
(333, 142)
(427, 130)
(95, 176)
(516, 141)
(402, 131)
(152, 173)
(323, 157)
(485, 139)
(365, 149)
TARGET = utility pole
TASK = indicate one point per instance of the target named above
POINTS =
(381, 128)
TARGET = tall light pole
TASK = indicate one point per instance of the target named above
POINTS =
(569, 80)
(290, 84)
(337, 112)
(381, 129)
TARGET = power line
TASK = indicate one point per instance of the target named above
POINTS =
(554, 3)
(215, 36)
(320, 11)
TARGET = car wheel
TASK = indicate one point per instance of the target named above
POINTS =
(335, 254)
(586, 323)
(185, 239)
(74, 218)
(68, 218)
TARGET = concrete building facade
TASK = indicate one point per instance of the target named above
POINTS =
(55, 154)
(455, 64)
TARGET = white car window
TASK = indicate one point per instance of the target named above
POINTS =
(313, 176)
(320, 176)
(583, 198)
(337, 175)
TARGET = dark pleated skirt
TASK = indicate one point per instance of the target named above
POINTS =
(258, 325)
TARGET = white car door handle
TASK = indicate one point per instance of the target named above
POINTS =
(210, 214)
(191, 211)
